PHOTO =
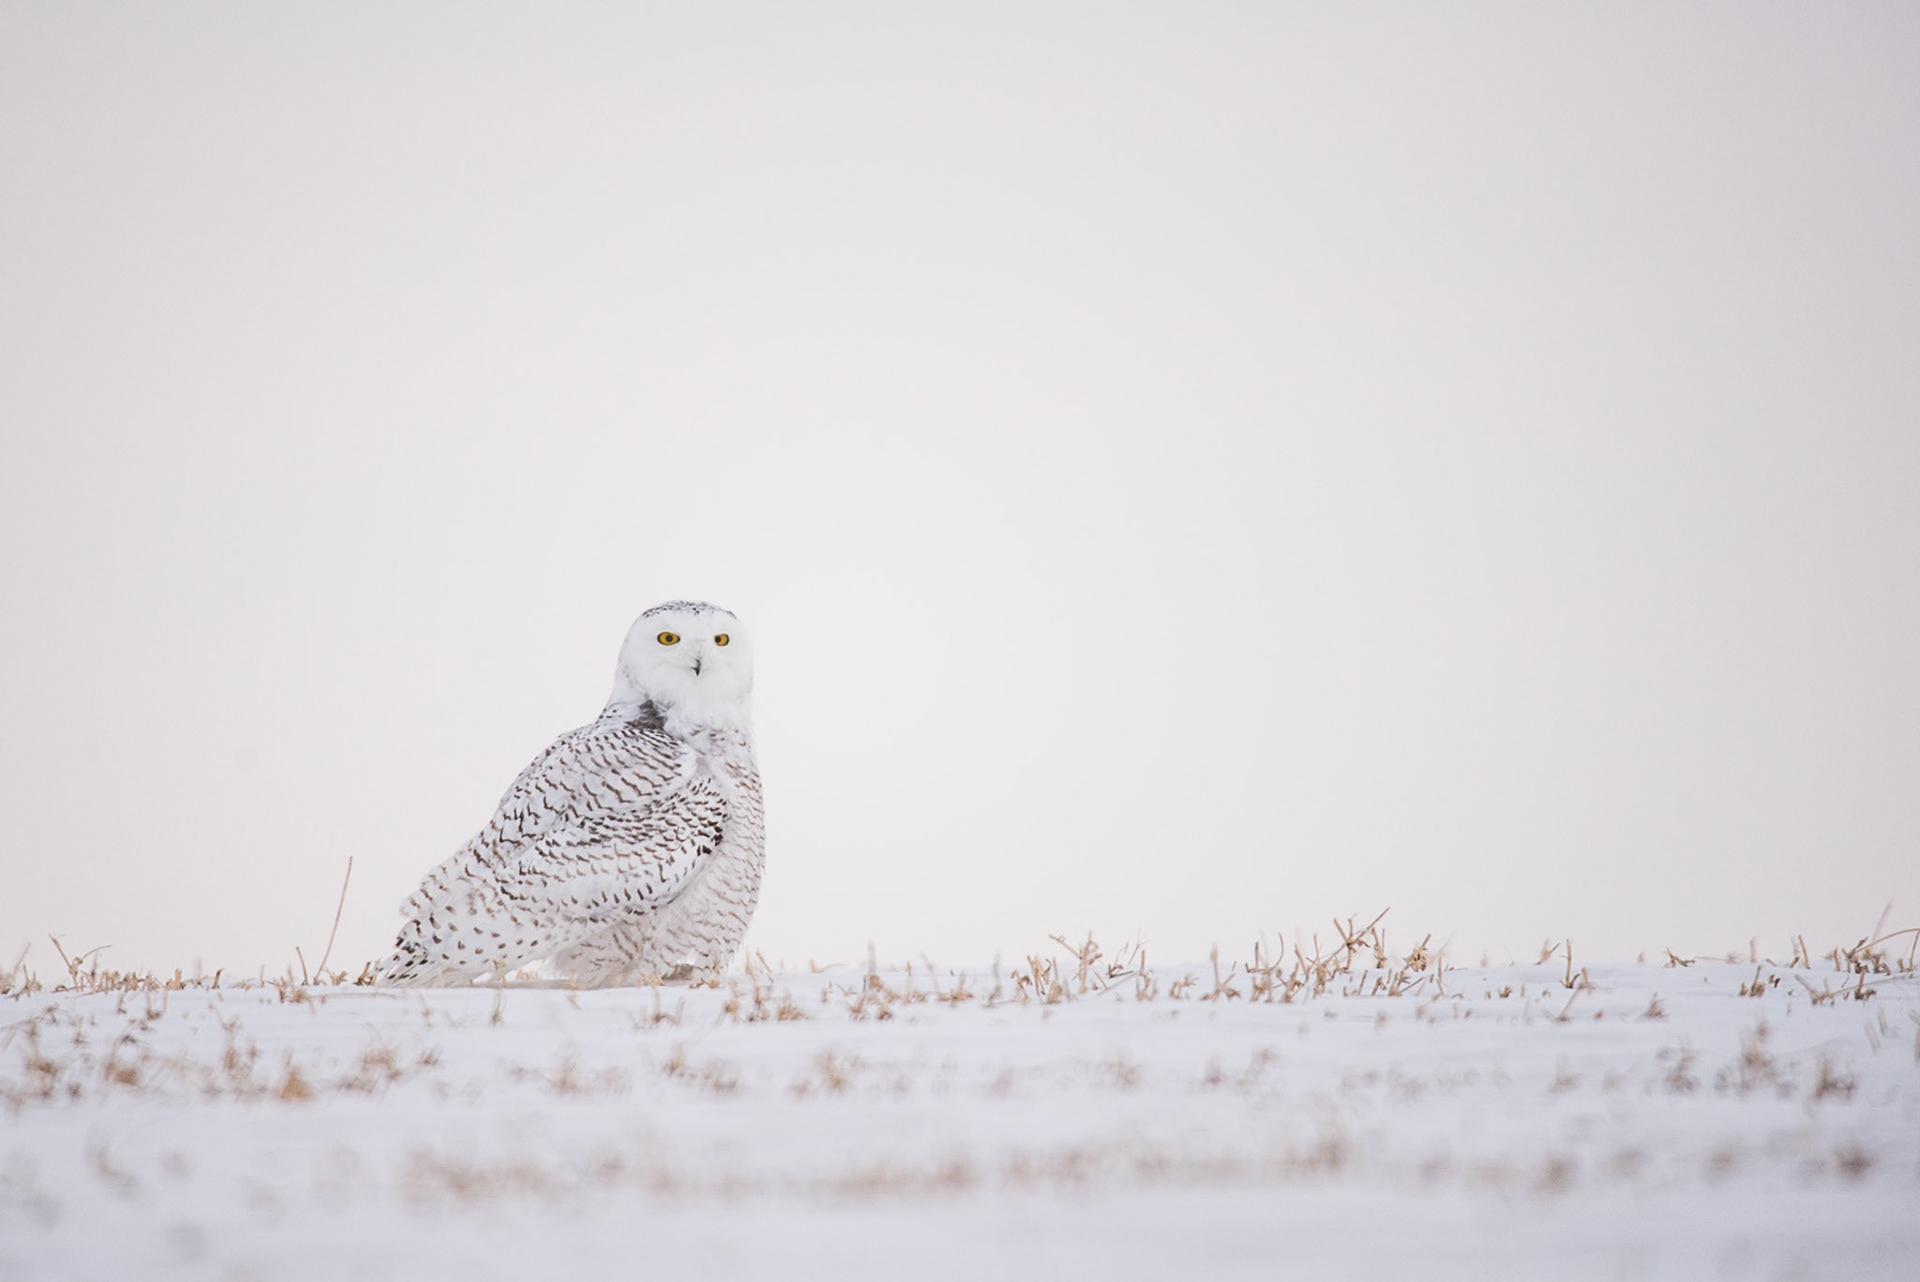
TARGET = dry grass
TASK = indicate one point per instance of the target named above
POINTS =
(47, 1056)
(1358, 962)
(437, 1178)
(50, 1071)
(1869, 955)
(876, 1082)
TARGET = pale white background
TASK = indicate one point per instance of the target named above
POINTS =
(1192, 469)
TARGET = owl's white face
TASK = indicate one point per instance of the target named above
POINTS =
(697, 657)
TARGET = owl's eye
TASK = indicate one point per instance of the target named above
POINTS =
(720, 638)
(668, 638)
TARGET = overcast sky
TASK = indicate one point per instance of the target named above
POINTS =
(1191, 470)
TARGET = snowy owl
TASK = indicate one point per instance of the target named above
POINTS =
(631, 846)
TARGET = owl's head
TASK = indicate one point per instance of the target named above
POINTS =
(689, 656)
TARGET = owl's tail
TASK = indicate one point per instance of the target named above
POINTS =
(458, 928)
(408, 966)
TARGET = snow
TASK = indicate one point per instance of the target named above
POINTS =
(1650, 1121)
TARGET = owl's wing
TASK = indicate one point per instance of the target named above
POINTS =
(610, 822)
(643, 818)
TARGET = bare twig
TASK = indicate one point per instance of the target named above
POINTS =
(338, 909)
(14, 969)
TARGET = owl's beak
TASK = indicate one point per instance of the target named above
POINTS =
(696, 665)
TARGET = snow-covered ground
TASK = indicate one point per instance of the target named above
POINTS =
(1700, 1121)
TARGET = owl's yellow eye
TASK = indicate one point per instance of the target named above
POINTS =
(720, 638)
(668, 638)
